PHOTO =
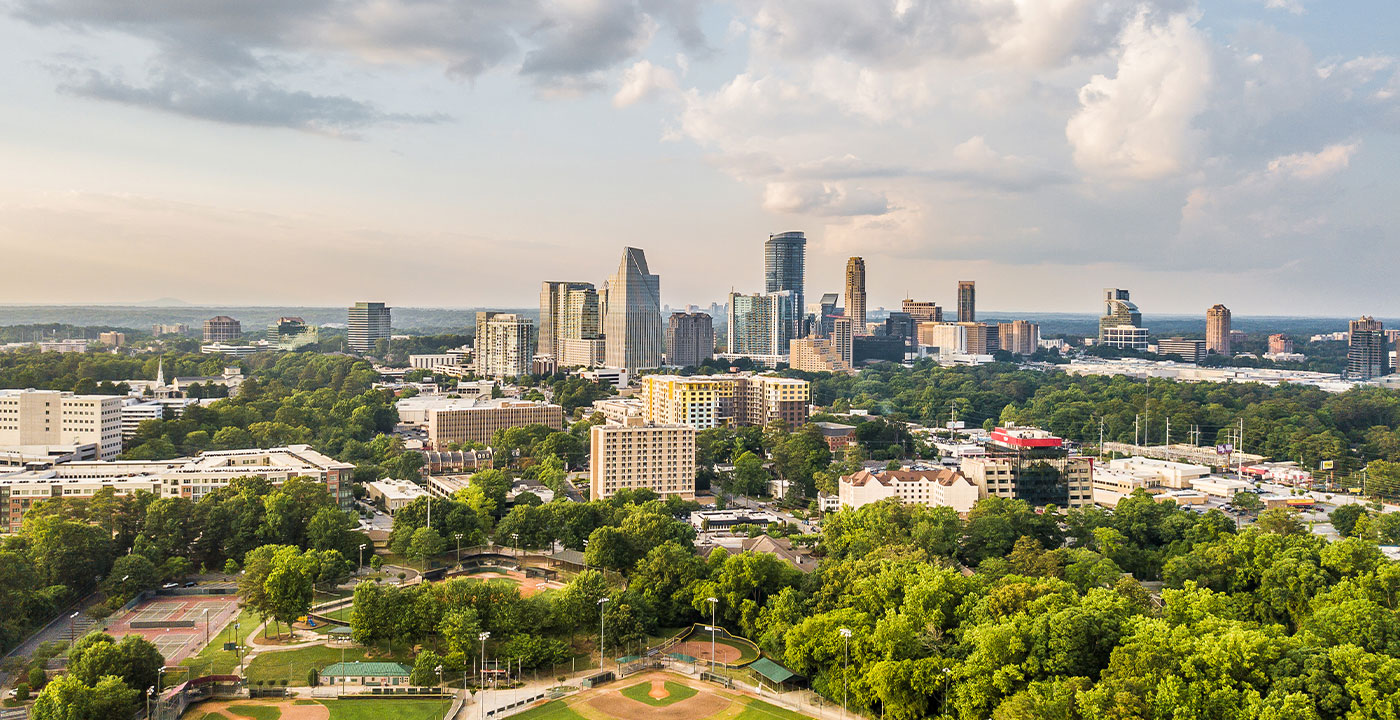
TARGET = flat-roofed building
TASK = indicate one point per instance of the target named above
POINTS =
(818, 354)
(934, 488)
(191, 477)
(222, 329)
(1169, 474)
(394, 494)
(640, 455)
(477, 420)
(51, 417)
(706, 401)
(1032, 465)
(1192, 351)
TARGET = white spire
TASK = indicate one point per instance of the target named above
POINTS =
(160, 372)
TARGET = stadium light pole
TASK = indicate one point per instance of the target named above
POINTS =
(714, 602)
(947, 673)
(206, 625)
(601, 618)
(150, 692)
(481, 691)
(361, 566)
(845, 633)
(459, 548)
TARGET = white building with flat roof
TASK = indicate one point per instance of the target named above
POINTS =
(1168, 474)
(50, 417)
(394, 494)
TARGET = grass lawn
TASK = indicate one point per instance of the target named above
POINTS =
(759, 710)
(292, 665)
(678, 692)
(341, 614)
(380, 709)
(257, 712)
(213, 716)
(553, 710)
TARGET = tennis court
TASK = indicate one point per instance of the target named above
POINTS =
(176, 625)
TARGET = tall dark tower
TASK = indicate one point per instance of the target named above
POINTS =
(784, 268)
(967, 301)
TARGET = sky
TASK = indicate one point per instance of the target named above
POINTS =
(452, 154)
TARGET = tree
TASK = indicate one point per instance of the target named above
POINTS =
(1281, 521)
(1345, 516)
(426, 543)
(134, 660)
(1247, 502)
(425, 669)
(130, 574)
(749, 477)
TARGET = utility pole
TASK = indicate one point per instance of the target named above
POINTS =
(1136, 417)
(1101, 437)
(846, 635)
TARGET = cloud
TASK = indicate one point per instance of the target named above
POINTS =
(256, 104)
(1293, 6)
(1312, 166)
(1138, 124)
(823, 199)
(642, 81)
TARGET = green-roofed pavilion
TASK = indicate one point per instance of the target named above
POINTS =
(771, 671)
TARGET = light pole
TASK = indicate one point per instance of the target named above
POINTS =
(238, 645)
(459, 548)
(73, 628)
(481, 690)
(362, 559)
(150, 692)
(206, 625)
(947, 673)
(714, 602)
(845, 633)
(601, 617)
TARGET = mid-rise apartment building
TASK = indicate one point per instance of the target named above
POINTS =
(817, 354)
(30, 418)
(934, 488)
(1019, 336)
(641, 455)
(1032, 465)
(505, 345)
(190, 478)
(761, 324)
(707, 401)
(476, 420)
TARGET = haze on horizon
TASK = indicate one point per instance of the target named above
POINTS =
(441, 154)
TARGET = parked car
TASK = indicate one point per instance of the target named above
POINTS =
(191, 583)
(169, 585)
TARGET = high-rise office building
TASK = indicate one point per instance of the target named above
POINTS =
(1189, 350)
(902, 325)
(1032, 465)
(222, 329)
(1279, 344)
(292, 333)
(784, 268)
(568, 311)
(1019, 336)
(855, 294)
(1367, 354)
(369, 323)
(1121, 323)
(504, 345)
(827, 313)
(922, 311)
(690, 339)
(632, 327)
(843, 338)
(761, 323)
(967, 301)
(1218, 329)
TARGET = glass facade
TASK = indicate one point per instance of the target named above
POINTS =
(784, 268)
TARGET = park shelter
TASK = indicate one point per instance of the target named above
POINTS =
(340, 634)
(365, 674)
(773, 674)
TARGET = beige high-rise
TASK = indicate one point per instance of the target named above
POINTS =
(1218, 329)
(855, 294)
(51, 417)
(642, 455)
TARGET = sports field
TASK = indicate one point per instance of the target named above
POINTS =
(658, 696)
(177, 625)
(318, 710)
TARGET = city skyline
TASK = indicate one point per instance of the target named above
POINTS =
(360, 144)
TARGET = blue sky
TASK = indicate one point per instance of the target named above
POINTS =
(427, 152)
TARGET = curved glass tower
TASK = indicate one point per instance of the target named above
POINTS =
(784, 268)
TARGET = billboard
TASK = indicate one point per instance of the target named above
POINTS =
(1224, 449)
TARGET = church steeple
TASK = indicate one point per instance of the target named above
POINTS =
(160, 372)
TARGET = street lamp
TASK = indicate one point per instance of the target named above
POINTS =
(714, 602)
(459, 548)
(150, 692)
(73, 628)
(206, 625)
(601, 617)
(845, 633)
(362, 559)
(481, 691)
(947, 673)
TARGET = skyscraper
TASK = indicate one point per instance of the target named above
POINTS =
(761, 323)
(827, 314)
(504, 345)
(1121, 324)
(632, 326)
(1019, 336)
(784, 268)
(1367, 355)
(1218, 329)
(842, 338)
(690, 339)
(568, 311)
(855, 294)
(967, 301)
(369, 323)
(922, 311)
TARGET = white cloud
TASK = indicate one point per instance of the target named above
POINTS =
(1139, 124)
(823, 199)
(1312, 166)
(643, 81)
(1293, 6)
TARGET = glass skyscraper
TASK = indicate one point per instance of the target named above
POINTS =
(632, 324)
(784, 268)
